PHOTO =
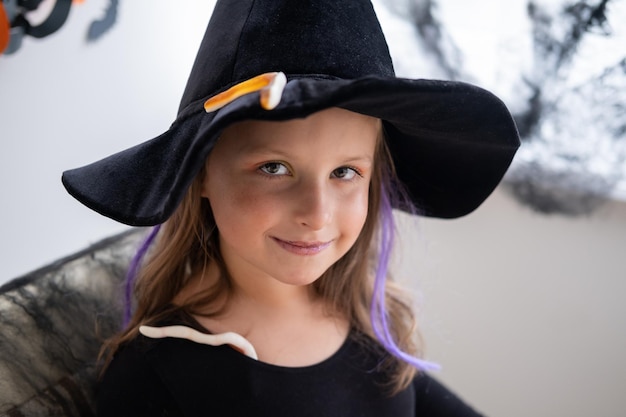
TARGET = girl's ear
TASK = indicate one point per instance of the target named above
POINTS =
(202, 182)
(204, 189)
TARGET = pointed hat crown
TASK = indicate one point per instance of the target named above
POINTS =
(327, 38)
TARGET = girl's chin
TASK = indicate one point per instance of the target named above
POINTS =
(299, 279)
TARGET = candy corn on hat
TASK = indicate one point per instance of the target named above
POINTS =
(451, 142)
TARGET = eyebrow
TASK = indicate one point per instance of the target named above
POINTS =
(261, 151)
(362, 158)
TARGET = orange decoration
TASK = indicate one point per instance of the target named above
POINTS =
(271, 85)
(5, 29)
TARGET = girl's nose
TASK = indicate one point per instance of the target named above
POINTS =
(313, 207)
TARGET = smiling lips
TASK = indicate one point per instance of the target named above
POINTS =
(302, 248)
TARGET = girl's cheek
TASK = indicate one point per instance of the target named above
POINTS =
(355, 208)
(254, 202)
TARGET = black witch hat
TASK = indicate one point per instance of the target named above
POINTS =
(451, 142)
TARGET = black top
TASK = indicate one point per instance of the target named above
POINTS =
(177, 377)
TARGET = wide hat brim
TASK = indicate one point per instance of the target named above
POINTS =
(451, 144)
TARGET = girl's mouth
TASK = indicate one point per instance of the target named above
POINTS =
(302, 248)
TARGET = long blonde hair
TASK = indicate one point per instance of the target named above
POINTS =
(189, 240)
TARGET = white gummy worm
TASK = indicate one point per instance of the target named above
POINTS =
(271, 95)
(184, 332)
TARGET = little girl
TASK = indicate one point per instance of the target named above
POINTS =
(264, 289)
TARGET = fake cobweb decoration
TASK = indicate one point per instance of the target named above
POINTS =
(559, 65)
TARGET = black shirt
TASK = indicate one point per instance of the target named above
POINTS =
(177, 377)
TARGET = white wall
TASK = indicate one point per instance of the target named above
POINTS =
(523, 311)
(65, 103)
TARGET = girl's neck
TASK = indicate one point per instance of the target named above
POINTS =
(287, 325)
(271, 296)
(257, 296)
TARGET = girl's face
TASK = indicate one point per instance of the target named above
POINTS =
(290, 198)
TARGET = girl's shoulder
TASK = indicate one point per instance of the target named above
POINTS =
(434, 399)
(130, 386)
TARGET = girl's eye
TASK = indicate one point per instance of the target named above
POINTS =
(345, 173)
(274, 168)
